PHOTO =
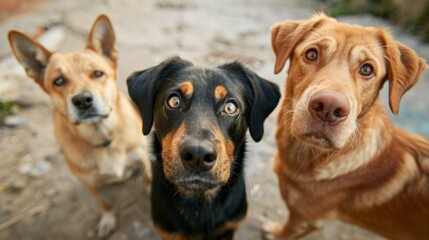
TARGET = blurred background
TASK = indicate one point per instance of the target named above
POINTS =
(40, 199)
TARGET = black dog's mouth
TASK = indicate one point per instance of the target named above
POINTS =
(197, 183)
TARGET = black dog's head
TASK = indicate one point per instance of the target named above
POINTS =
(201, 117)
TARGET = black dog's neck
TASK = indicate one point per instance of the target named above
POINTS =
(176, 213)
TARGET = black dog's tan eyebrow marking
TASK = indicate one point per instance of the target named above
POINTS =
(187, 89)
(220, 92)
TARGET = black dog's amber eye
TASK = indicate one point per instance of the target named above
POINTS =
(59, 81)
(173, 102)
(366, 70)
(230, 108)
(311, 55)
(97, 74)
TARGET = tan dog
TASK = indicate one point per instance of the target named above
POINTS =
(339, 156)
(95, 124)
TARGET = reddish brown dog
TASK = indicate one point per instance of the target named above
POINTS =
(95, 124)
(339, 156)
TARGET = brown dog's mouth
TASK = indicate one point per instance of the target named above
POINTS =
(317, 138)
(197, 184)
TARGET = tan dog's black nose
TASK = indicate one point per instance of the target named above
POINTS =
(198, 156)
(329, 107)
(83, 100)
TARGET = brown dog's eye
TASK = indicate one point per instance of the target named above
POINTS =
(59, 81)
(366, 70)
(311, 55)
(97, 74)
(173, 102)
(230, 108)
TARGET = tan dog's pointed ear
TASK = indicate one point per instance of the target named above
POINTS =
(30, 54)
(286, 35)
(102, 38)
(404, 69)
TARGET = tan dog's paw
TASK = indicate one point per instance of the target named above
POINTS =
(107, 224)
(271, 231)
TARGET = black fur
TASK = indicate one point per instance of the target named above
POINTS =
(174, 213)
(196, 216)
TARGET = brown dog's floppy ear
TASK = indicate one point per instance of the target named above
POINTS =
(102, 38)
(262, 96)
(143, 87)
(404, 69)
(286, 35)
(30, 54)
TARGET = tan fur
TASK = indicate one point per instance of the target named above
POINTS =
(366, 171)
(187, 89)
(220, 92)
(93, 164)
(169, 236)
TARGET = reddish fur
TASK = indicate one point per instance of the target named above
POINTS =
(387, 192)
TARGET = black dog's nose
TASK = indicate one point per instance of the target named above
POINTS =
(199, 156)
(83, 100)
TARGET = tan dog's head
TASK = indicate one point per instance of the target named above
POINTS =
(81, 84)
(336, 72)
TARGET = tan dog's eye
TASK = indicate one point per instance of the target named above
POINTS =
(366, 70)
(59, 81)
(230, 108)
(173, 102)
(97, 74)
(311, 55)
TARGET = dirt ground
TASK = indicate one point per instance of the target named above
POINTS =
(40, 199)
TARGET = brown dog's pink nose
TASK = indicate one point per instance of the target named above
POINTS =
(329, 107)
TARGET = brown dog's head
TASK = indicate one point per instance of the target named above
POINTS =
(336, 72)
(81, 84)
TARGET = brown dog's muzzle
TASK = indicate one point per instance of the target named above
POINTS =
(329, 107)
(198, 156)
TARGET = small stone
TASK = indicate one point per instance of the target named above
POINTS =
(51, 192)
(39, 169)
(14, 121)
(25, 169)
(256, 189)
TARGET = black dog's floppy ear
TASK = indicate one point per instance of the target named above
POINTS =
(143, 87)
(262, 96)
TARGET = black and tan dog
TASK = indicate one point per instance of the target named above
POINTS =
(95, 123)
(201, 117)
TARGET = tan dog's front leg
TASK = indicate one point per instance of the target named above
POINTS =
(107, 221)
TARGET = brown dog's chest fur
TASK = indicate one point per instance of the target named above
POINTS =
(382, 178)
